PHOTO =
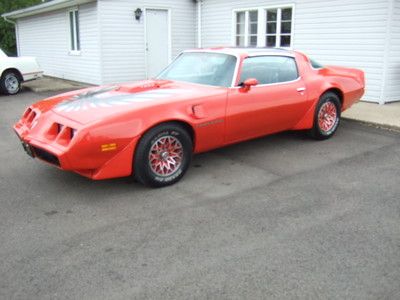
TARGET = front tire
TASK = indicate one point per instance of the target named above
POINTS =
(10, 84)
(163, 155)
(327, 116)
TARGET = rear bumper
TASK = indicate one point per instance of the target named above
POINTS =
(352, 97)
(32, 76)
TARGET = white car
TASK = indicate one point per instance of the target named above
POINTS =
(15, 70)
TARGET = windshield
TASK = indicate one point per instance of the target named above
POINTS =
(214, 69)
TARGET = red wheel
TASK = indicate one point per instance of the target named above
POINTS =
(163, 155)
(166, 155)
(327, 116)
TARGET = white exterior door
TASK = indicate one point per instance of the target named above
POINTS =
(157, 41)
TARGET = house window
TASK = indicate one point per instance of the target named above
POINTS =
(240, 28)
(278, 27)
(75, 45)
(261, 27)
(246, 28)
(253, 23)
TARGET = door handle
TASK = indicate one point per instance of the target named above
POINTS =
(302, 89)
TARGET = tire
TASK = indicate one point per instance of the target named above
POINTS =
(163, 155)
(327, 116)
(10, 83)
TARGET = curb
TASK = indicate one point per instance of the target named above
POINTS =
(55, 89)
(50, 84)
(374, 124)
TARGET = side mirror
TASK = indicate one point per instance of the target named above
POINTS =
(248, 83)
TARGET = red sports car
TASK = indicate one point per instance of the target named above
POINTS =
(206, 99)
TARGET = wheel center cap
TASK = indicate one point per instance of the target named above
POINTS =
(164, 155)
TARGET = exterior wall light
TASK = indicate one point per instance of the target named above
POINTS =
(138, 14)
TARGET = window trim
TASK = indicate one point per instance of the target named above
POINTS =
(236, 86)
(76, 33)
(261, 29)
(238, 68)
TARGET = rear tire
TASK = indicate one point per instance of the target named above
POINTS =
(163, 155)
(327, 117)
(10, 83)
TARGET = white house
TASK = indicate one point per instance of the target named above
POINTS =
(107, 41)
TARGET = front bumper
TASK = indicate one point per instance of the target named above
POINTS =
(40, 149)
(82, 155)
(32, 76)
(43, 155)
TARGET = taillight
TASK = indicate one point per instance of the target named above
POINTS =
(363, 78)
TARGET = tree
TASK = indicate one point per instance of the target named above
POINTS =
(7, 30)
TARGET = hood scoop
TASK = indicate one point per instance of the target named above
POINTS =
(141, 86)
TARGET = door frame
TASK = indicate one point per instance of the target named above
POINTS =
(169, 50)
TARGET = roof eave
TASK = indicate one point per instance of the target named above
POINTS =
(43, 8)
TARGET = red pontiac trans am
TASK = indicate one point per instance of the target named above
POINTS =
(205, 99)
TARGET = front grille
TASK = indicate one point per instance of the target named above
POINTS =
(46, 156)
(61, 133)
(29, 116)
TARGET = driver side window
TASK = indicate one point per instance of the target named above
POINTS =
(269, 69)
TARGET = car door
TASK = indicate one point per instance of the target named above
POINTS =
(276, 103)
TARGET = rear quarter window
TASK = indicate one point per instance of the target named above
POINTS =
(315, 64)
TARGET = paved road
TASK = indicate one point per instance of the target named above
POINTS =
(279, 217)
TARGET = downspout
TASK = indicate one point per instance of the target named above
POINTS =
(385, 65)
(16, 32)
(199, 16)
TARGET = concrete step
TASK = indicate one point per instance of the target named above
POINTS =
(387, 115)
(49, 84)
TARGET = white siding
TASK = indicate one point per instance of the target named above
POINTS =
(392, 87)
(123, 49)
(46, 36)
(347, 33)
(340, 32)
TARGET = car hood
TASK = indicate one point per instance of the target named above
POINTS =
(97, 103)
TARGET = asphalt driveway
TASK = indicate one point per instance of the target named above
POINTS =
(278, 217)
